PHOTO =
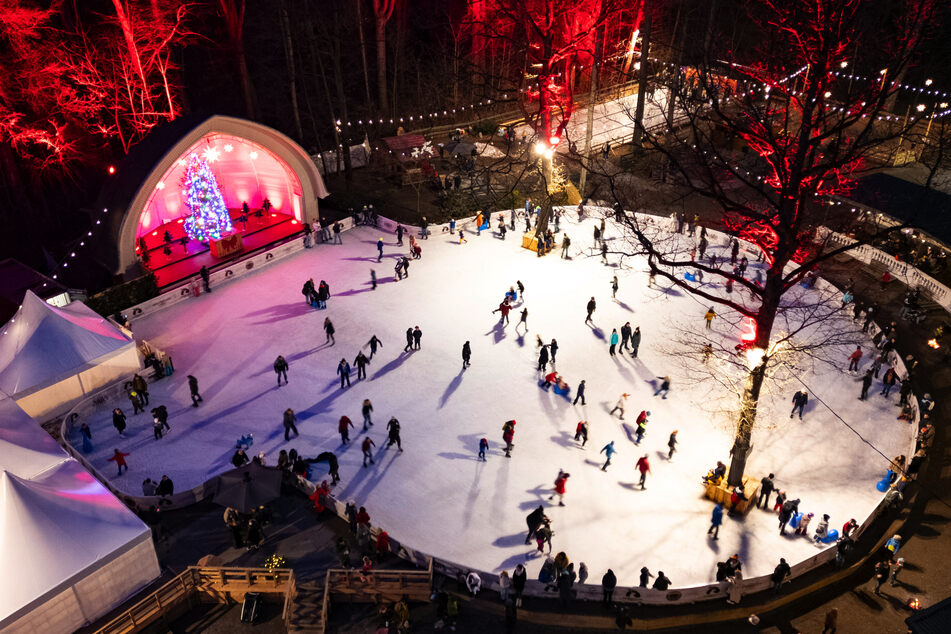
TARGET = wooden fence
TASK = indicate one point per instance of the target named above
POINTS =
(201, 585)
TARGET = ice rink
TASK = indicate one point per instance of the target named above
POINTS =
(436, 496)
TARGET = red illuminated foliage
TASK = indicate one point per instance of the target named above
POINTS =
(72, 82)
(552, 39)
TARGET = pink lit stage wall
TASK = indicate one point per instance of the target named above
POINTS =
(245, 171)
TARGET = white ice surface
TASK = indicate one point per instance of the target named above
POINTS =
(436, 496)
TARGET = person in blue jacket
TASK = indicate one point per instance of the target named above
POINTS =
(609, 451)
(343, 369)
(715, 520)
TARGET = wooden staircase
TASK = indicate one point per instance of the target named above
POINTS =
(307, 611)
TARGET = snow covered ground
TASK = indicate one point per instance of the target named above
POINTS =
(436, 496)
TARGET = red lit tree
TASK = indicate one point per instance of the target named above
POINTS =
(550, 41)
(74, 81)
(807, 134)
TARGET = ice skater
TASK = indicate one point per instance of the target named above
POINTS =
(280, 368)
(854, 359)
(521, 289)
(534, 520)
(373, 280)
(417, 336)
(625, 336)
(620, 405)
(560, 482)
(466, 355)
(581, 432)
(672, 444)
(379, 249)
(118, 421)
(504, 308)
(542, 358)
(664, 386)
(119, 458)
(579, 394)
(553, 349)
(715, 521)
(799, 401)
(374, 342)
(193, 389)
(483, 447)
(635, 341)
(343, 428)
(409, 340)
(608, 450)
(289, 419)
(767, 485)
(366, 410)
(523, 321)
(329, 329)
(361, 362)
(708, 317)
(644, 467)
(591, 307)
(508, 435)
(613, 342)
(866, 383)
(343, 369)
(393, 427)
(614, 287)
(367, 451)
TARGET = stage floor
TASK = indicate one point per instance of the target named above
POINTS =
(186, 260)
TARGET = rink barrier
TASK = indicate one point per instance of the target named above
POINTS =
(227, 273)
(584, 592)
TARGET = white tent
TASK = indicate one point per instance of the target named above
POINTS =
(70, 550)
(51, 357)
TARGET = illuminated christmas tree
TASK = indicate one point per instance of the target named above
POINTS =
(209, 216)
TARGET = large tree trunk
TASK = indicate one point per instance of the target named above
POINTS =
(383, 10)
(754, 381)
(291, 69)
(642, 75)
(233, 12)
(363, 51)
(592, 98)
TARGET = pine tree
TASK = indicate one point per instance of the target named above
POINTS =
(209, 216)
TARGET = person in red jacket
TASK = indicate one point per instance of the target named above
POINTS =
(319, 496)
(551, 377)
(854, 359)
(644, 467)
(560, 483)
(382, 545)
(343, 427)
(503, 308)
(363, 518)
(367, 455)
(119, 458)
(642, 417)
(508, 435)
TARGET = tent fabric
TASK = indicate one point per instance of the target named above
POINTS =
(42, 343)
(54, 528)
(23, 451)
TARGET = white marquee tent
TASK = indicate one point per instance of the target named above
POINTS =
(70, 550)
(51, 357)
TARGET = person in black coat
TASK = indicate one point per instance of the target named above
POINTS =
(542, 358)
(373, 343)
(118, 421)
(608, 584)
(409, 340)
(361, 362)
(786, 512)
(519, 577)
(580, 393)
(289, 420)
(766, 489)
(466, 354)
(165, 486)
(239, 458)
(534, 521)
(280, 368)
(193, 388)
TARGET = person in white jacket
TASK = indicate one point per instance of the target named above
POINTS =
(473, 583)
